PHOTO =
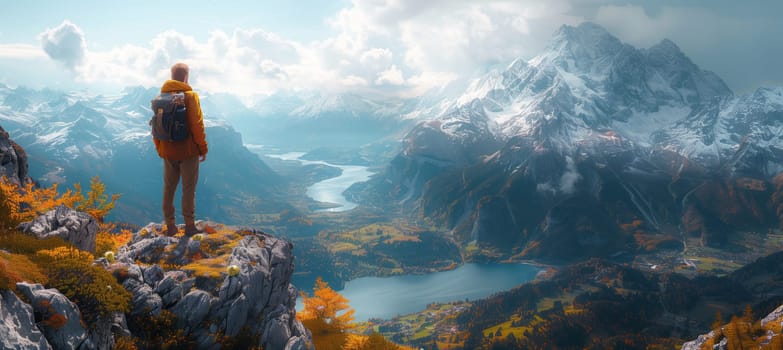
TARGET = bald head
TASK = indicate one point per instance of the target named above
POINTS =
(180, 71)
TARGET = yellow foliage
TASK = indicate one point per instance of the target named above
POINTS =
(325, 336)
(373, 341)
(327, 305)
(106, 241)
(25, 203)
(20, 243)
(124, 343)
(64, 253)
(209, 267)
(97, 202)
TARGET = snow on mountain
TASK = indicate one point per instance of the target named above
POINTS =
(742, 134)
(587, 83)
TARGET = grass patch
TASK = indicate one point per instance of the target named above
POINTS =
(208, 267)
(19, 268)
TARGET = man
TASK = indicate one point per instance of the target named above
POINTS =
(181, 158)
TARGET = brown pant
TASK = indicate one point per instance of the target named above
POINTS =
(172, 171)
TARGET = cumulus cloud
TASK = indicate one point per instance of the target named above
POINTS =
(64, 43)
(391, 76)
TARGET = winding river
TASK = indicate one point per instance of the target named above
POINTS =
(331, 190)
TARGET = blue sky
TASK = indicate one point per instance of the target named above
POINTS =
(400, 47)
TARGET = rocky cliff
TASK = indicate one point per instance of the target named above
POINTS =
(225, 287)
(767, 334)
(13, 160)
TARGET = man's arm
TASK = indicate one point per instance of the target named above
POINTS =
(196, 118)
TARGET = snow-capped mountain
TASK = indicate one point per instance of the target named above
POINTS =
(71, 137)
(594, 133)
(585, 83)
(738, 135)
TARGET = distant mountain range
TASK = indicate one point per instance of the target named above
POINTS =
(589, 146)
(71, 137)
(590, 143)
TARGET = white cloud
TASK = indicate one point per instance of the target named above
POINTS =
(21, 51)
(570, 177)
(64, 43)
(391, 76)
(399, 47)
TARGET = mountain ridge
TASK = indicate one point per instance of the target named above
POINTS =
(516, 164)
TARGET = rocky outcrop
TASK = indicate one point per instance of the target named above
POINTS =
(770, 324)
(60, 318)
(73, 226)
(13, 160)
(208, 303)
(17, 324)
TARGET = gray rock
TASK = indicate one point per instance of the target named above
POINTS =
(171, 288)
(50, 303)
(119, 325)
(73, 226)
(697, 344)
(277, 332)
(775, 315)
(152, 275)
(147, 250)
(298, 343)
(237, 316)
(260, 299)
(101, 334)
(193, 309)
(144, 299)
(13, 160)
(17, 324)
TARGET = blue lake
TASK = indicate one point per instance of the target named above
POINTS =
(386, 297)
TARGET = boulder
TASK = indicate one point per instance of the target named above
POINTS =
(775, 315)
(193, 309)
(73, 226)
(17, 324)
(60, 318)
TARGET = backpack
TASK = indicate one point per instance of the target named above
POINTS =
(169, 117)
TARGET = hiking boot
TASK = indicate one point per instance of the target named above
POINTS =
(191, 230)
(171, 230)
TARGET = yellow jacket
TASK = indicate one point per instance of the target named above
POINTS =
(196, 143)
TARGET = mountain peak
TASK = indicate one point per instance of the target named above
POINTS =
(585, 41)
(667, 45)
(668, 50)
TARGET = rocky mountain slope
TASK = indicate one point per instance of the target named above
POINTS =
(591, 148)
